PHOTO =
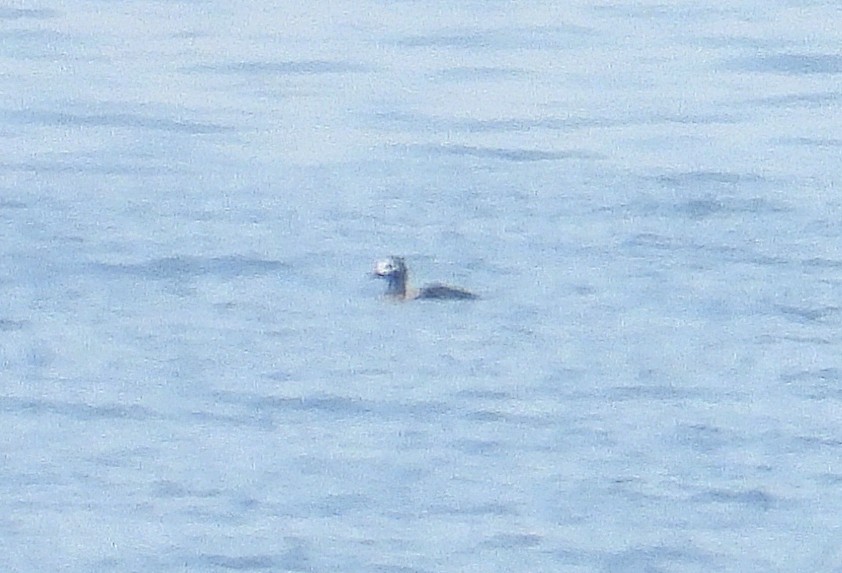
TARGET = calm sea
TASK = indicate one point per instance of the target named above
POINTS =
(197, 372)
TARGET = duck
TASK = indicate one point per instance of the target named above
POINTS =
(395, 271)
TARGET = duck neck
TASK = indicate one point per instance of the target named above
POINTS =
(396, 285)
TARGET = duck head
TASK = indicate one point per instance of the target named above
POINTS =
(393, 269)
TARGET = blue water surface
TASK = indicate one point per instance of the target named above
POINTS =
(197, 372)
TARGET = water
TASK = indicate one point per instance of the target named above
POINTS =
(197, 373)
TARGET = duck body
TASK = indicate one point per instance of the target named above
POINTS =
(444, 292)
(394, 270)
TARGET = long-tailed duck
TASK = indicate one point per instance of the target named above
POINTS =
(396, 274)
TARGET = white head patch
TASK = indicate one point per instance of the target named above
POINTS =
(385, 267)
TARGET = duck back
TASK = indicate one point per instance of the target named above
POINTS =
(443, 292)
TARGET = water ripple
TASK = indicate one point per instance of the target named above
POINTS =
(755, 498)
(562, 36)
(790, 64)
(78, 410)
(127, 120)
(505, 154)
(247, 563)
(184, 266)
(7, 325)
(30, 13)
(284, 68)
